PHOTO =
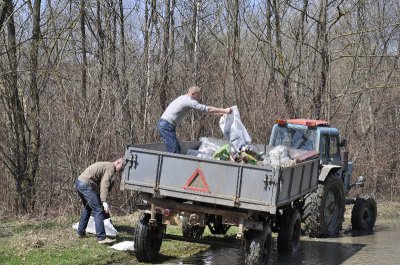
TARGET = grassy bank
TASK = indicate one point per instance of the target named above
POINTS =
(33, 241)
(55, 242)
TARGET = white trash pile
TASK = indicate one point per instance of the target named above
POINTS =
(109, 227)
(278, 157)
(110, 231)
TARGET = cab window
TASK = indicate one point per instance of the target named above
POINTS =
(322, 146)
(333, 146)
(295, 138)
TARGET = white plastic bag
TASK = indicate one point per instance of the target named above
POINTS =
(208, 146)
(278, 157)
(126, 245)
(109, 227)
(198, 154)
(233, 129)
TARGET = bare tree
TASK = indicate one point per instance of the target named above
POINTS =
(165, 54)
(82, 14)
(23, 136)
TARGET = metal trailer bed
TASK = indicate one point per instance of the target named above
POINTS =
(239, 186)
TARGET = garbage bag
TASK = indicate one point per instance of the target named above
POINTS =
(233, 129)
(198, 154)
(109, 227)
(208, 146)
(125, 246)
(278, 157)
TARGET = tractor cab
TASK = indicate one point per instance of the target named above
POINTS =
(307, 134)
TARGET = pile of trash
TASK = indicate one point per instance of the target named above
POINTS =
(210, 149)
(278, 156)
(237, 147)
(217, 149)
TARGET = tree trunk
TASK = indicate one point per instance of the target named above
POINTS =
(35, 107)
(16, 162)
(84, 57)
(124, 81)
(195, 41)
(195, 59)
(149, 20)
(287, 93)
(271, 71)
(20, 151)
(322, 38)
(3, 13)
(233, 9)
(165, 56)
(100, 51)
(171, 51)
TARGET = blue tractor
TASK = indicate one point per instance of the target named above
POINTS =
(323, 210)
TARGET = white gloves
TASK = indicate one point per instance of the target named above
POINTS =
(105, 206)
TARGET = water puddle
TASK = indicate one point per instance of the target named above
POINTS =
(380, 247)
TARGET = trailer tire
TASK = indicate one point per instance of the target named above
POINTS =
(258, 245)
(363, 215)
(147, 239)
(191, 231)
(289, 231)
(323, 210)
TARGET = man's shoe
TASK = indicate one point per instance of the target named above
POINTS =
(81, 235)
(106, 241)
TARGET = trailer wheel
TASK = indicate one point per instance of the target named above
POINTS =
(289, 231)
(191, 231)
(323, 210)
(363, 215)
(258, 246)
(147, 239)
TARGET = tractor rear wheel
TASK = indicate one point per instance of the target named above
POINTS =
(323, 210)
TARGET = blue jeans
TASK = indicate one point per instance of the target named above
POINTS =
(168, 135)
(91, 202)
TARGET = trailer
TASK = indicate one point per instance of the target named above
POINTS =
(258, 199)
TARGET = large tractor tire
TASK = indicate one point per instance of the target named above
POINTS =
(323, 210)
(363, 215)
(191, 231)
(258, 245)
(147, 239)
(289, 231)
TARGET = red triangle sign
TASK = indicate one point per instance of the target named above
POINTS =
(197, 182)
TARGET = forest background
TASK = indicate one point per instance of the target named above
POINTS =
(79, 80)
